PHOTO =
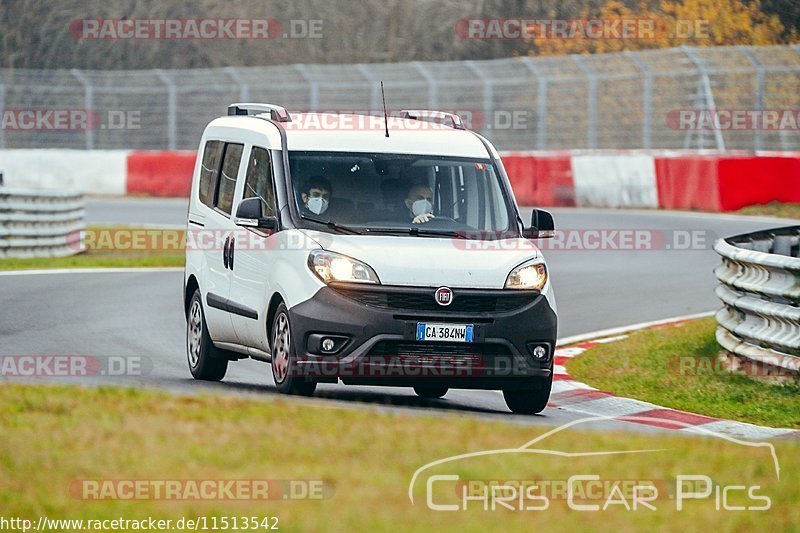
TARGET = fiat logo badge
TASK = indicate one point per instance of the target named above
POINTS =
(444, 296)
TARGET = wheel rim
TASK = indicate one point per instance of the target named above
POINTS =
(281, 344)
(194, 333)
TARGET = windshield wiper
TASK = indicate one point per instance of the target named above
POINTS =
(418, 231)
(333, 225)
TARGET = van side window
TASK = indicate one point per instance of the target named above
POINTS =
(258, 183)
(227, 179)
(212, 154)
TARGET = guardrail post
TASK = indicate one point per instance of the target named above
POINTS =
(313, 87)
(172, 103)
(244, 88)
(591, 75)
(374, 88)
(759, 133)
(2, 109)
(707, 93)
(88, 103)
(541, 102)
(647, 99)
(488, 93)
(433, 90)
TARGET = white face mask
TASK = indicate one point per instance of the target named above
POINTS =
(317, 205)
(420, 207)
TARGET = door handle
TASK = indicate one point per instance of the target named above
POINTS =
(230, 254)
(225, 252)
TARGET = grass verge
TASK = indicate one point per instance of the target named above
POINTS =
(56, 436)
(115, 247)
(773, 209)
(677, 366)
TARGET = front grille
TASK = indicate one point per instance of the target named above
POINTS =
(465, 301)
(444, 353)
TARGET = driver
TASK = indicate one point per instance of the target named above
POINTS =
(316, 195)
(419, 202)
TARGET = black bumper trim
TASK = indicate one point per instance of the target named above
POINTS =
(365, 326)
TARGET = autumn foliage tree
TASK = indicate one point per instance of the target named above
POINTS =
(675, 23)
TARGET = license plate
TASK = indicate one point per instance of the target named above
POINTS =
(445, 332)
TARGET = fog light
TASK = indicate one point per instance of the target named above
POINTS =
(540, 353)
(328, 345)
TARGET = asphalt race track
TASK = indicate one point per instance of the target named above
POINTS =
(139, 314)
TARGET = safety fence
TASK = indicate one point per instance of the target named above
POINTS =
(721, 98)
(760, 291)
(40, 223)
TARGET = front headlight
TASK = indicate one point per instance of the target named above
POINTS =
(330, 266)
(529, 275)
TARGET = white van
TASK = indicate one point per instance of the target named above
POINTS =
(367, 250)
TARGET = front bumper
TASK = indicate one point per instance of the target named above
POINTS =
(374, 329)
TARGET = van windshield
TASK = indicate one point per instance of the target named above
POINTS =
(398, 193)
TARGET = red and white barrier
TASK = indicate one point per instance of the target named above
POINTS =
(631, 179)
(167, 173)
(93, 172)
(666, 180)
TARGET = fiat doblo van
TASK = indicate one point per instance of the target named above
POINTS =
(365, 250)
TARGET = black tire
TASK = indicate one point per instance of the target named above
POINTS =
(284, 360)
(529, 401)
(430, 392)
(206, 361)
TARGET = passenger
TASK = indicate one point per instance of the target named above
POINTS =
(316, 195)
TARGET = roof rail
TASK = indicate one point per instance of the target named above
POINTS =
(441, 116)
(278, 113)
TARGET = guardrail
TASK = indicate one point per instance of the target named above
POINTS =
(760, 291)
(40, 223)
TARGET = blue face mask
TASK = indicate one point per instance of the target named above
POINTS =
(421, 207)
(317, 205)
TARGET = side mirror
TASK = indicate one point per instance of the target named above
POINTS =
(542, 225)
(250, 214)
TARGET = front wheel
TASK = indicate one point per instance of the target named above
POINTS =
(206, 362)
(285, 370)
(529, 401)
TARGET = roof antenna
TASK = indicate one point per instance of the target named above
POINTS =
(385, 114)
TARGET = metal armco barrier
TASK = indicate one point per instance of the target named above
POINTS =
(760, 292)
(40, 223)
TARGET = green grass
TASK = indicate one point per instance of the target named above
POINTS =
(53, 436)
(677, 367)
(773, 209)
(90, 260)
(104, 251)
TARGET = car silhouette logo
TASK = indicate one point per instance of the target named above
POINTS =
(444, 296)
